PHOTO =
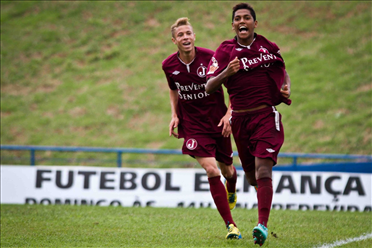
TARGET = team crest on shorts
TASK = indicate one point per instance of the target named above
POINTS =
(191, 144)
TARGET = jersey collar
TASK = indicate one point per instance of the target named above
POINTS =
(178, 56)
(249, 46)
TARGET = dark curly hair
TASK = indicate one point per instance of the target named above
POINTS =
(243, 6)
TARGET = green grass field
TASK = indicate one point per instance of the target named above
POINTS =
(88, 73)
(89, 226)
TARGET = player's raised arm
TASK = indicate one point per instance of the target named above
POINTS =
(215, 82)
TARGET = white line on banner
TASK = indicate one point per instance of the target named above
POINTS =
(344, 242)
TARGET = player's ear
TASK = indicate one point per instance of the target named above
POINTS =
(255, 24)
(174, 41)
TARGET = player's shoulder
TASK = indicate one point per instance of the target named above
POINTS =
(230, 42)
(264, 40)
(204, 51)
(204, 54)
(227, 45)
(169, 60)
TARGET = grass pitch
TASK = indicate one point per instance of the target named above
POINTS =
(91, 226)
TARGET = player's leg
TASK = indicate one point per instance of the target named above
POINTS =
(264, 196)
(265, 188)
(224, 157)
(250, 175)
(270, 137)
(228, 171)
(218, 193)
(260, 231)
(240, 124)
(248, 164)
(230, 175)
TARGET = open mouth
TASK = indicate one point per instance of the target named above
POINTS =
(243, 29)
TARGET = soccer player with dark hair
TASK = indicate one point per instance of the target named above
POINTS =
(201, 119)
(253, 71)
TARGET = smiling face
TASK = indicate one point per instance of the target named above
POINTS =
(244, 25)
(184, 38)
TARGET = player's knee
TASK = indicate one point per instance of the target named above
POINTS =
(264, 172)
(212, 171)
(264, 168)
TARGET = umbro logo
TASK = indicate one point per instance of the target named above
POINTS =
(270, 150)
(176, 73)
(238, 49)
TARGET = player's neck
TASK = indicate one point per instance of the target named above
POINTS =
(246, 42)
(187, 57)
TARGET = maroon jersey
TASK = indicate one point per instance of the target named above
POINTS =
(261, 73)
(199, 113)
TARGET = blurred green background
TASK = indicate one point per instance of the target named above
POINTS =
(89, 73)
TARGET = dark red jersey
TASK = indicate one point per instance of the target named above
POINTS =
(199, 112)
(261, 74)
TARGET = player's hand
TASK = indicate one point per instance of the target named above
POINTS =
(226, 129)
(172, 125)
(286, 92)
(233, 67)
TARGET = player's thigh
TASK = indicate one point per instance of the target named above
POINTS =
(199, 146)
(224, 152)
(269, 136)
(242, 138)
(246, 158)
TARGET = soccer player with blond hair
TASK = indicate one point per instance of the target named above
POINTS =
(201, 119)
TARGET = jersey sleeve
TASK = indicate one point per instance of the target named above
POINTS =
(276, 50)
(170, 81)
(219, 61)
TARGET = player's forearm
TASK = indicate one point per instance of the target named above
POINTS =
(173, 95)
(287, 81)
(228, 112)
(214, 83)
(287, 84)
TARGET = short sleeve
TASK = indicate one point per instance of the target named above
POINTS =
(170, 81)
(219, 61)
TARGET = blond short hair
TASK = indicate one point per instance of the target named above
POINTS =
(180, 22)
